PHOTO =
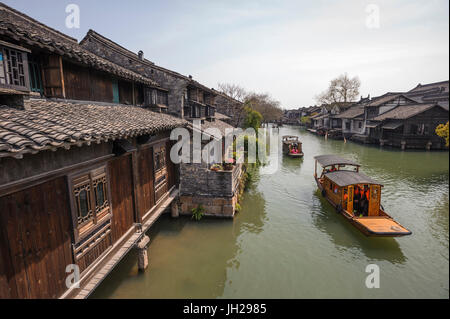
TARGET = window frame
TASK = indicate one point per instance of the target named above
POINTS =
(100, 215)
(24, 57)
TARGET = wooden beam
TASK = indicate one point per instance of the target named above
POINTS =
(61, 73)
(136, 183)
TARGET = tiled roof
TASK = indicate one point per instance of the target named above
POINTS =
(50, 125)
(431, 93)
(125, 52)
(221, 116)
(443, 85)
(222, 126)
(387, 98)
(405, 111)
(20, 27)
(351, 113)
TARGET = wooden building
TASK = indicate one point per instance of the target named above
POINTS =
(437, 92)
(375, 107)
(82, 174)
(412, 126)
(190, 100)
(186, 99)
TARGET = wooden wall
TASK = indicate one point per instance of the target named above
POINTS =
(125, 93)
(86, 85)
(120, 172)
(36, 231)
(171, 167)
(53, 76)
(146, 185)
(35, 241)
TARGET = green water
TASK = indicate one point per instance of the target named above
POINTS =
(288, 242)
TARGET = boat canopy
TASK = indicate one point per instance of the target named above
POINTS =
(346, 178)
(290, 138)
(328, 160)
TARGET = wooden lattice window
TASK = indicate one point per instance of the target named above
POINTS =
(13, 68)
(160, 159)
(90, 200)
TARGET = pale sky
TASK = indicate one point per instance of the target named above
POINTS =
(290, 49)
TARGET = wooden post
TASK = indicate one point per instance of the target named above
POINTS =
(175, 209)
(142, 247)
(136, 181)
(403, 145)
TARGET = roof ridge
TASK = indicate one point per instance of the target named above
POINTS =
(34, 21)
(115, 46)
(429, 84)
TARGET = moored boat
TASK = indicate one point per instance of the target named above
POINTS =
(292, 146)
(356, 196)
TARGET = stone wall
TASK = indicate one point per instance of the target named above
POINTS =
(217, 192)
(176, 84)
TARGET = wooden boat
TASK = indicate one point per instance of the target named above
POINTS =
(292, 146)
(338, 182)
(335, 134)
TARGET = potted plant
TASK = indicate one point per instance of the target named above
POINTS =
(216, 167)
(228, 164)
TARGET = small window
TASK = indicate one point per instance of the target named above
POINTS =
(160, 159)
(34, 66)
(90, 199)
(13, 68)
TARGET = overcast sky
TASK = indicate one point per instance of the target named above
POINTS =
(291, 49)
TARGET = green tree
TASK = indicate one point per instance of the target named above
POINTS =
(442, 131)
(253, 119)
(305, 120)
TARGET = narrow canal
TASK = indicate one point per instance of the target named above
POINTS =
(288, 242)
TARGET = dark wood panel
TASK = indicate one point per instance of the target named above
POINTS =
(52, 71)
(121, 195)
(8, 287)
(77, 82)
(172, 171)
(101, 87)
(125, 93)
(36, 222)
(146, 186)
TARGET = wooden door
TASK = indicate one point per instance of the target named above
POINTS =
(160, 170)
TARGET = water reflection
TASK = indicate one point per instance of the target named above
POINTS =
(346, 236)
(188, 259)
(291, 164)
(289, 243)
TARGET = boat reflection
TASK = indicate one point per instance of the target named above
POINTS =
(345, 236)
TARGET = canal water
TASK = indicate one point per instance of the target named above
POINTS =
(288, 242)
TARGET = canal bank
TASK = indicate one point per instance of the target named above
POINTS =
(287, 241)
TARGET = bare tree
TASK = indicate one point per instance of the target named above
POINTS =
(263, 103)
(233, 90)
(230, 102)
(234, 99)
(341, 89)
